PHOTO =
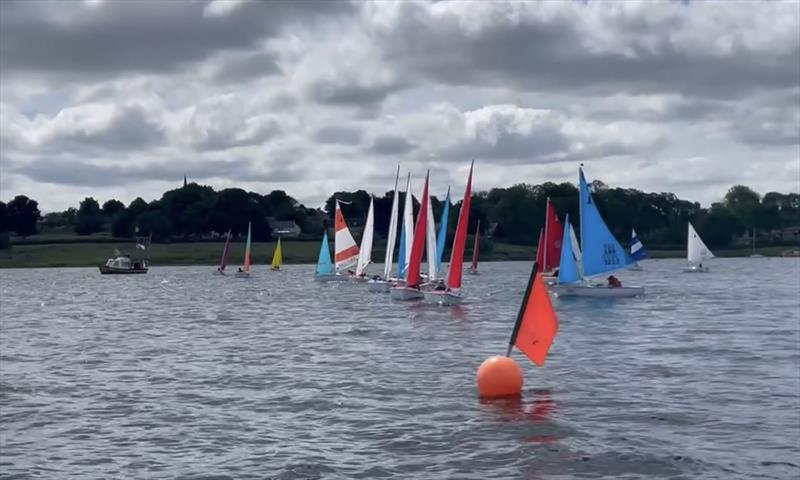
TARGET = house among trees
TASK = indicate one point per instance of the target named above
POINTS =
(283, 228)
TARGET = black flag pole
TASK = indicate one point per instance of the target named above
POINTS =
(522, 308)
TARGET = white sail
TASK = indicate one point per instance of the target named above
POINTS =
(365, 252)
(408, 223)
(696, 250)
(430, 233)
(392, 238)
(576, 251)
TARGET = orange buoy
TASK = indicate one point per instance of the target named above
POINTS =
(499, 376)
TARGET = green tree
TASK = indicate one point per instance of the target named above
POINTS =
(23, 214)
(5, 221)
(233, 209)
(154, 223)
(111, 207)
(89, 218)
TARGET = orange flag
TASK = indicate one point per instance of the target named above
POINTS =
(537, 323)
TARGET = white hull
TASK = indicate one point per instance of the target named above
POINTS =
(357, 279)
(597, 291)
(405, 293)
(549, 279)
(443, 297)
(695, 269)
(331, 277)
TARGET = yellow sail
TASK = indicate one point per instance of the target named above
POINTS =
(277, 257)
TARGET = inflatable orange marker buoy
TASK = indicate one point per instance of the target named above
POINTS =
(499, 377)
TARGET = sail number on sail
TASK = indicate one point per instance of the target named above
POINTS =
(610, 256)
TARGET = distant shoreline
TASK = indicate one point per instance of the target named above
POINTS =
(294, 252)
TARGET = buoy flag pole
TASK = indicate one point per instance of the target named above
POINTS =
(522, 308)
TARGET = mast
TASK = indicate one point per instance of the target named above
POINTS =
(546, 238)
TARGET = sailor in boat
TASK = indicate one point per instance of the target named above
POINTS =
(700, 266)
(240, 269)
(613, 282)
(440, 286)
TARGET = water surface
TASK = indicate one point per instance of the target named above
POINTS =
(181, 374)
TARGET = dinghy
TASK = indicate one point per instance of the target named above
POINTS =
(244, 272)
(451, 293)
(473, 269)
(277, 257)
(365, 252)
(406, 235)
(548, 254)
(226, 250)
(638, 252)
(441, 237)
(378, 284)
(601, 253)
(411, 289)
(345, 250)
(324, 271)
(696, 252)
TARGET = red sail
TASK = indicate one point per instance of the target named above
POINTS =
(418, 246)
(554, 232)
(457, 254)
(538, 324)
(540, 248)
(476, 247)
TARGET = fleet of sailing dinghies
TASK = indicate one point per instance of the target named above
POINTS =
(600, 253)
(411, 288)
(696, 252)
(450, 293)
(244, 272)
(548, 254)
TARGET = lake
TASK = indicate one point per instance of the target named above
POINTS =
(182, 374)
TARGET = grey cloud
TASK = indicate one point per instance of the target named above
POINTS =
(390, 145)
(769, 120)
(338, 135)
(137, 35)
(129, 129)
(246, 66)
(336, 92)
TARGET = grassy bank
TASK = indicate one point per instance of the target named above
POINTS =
(93, 254)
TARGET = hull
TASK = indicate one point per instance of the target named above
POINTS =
(473, 272)
(242, 274)
(549, 279)
(636, 268)
(357, 279)
(331, 277)
(276, 269)
(405, 293)
(596, 291)
(106, 270)
(218, 272)
(694, 269)
(443, 298)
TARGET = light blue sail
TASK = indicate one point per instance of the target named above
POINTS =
(601, 251)
(401, 258)
(567, 268)
(638, 252)
(442, 232)
(324, 264)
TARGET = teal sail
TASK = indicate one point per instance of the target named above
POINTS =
(601, 252)
(324, 264)
(440, 240)
(568, 267)
(401, 258)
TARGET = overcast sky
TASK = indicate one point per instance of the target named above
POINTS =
(117, 99)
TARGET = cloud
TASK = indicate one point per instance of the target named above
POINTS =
(390, 145)
(338, 135)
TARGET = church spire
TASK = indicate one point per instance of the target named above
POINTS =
(184, 180)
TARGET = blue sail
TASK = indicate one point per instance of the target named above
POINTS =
(324, 264)
(442, 232)
(567, 268)
(401, 257)
(601, 251)
(638, 252)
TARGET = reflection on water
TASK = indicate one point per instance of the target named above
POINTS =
(179, 373)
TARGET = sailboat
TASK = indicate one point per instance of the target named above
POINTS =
(696, 252)
(548, 254)
(226, 250)
(324, 271)
(638, 252)
(441, 237)
(381, 285)
(277, 257)
(365, 251)
(411, 289)
(451, 294)
(244, 272)
(600, 253)
(473, 269)
(406, 234)
(754, 254)
(430, 246)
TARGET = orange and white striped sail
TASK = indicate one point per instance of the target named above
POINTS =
(345, 248)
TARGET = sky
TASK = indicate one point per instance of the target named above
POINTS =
(120, 99)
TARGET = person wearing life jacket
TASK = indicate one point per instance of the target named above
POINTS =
(613, 282)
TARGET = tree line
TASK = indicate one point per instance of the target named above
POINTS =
(514, 214)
